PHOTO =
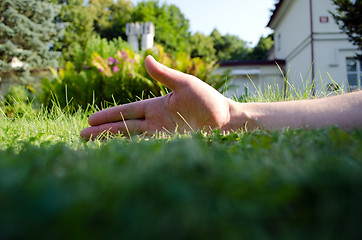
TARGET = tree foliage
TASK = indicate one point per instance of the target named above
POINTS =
(202, 46)
(113, 18)
(77, 21)
(171, 26)
(84, 19)
(229, 47)
(348, 17)
(101, 13)
(27, 32)
(260, 51)
(107, 18)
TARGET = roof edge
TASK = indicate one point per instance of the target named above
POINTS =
(275, 12)
(280, 62)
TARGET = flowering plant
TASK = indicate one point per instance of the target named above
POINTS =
(117, 76)
(113, 65)
(123, 75)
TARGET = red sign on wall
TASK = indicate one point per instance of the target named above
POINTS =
(323, 19)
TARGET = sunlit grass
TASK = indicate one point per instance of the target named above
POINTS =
(39, 126)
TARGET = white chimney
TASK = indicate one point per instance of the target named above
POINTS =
(133, 33)
(148, 34)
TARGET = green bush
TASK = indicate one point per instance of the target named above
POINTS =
(102, 74)
(115, 79)
(81, 57)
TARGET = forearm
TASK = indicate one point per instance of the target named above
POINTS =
(344, 111)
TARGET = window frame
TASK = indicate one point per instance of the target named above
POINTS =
(358, 74)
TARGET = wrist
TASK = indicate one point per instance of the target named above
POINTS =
(242, 117)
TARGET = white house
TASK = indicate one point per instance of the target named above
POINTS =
(313, 47)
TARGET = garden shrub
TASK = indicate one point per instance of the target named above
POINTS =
(81, 57)
(111, 72)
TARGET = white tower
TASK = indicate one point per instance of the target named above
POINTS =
(148, 34)
(133, 33)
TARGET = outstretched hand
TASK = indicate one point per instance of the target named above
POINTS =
(192, 105)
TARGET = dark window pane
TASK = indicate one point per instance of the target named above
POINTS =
(351, 65)
(352, 79)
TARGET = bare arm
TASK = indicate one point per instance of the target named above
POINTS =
(344, 111)
(194, 105)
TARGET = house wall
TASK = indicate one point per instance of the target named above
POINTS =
(331, 46)
(292, 29)
(330, 62)
(292, 40)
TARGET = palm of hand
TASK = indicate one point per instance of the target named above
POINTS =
(198, 106)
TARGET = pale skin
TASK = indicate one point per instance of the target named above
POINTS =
(194, 105)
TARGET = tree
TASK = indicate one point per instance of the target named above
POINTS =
(76, 20)
(229, 47)
(27, 32)
(219, 44)
(260, 51)
(202, 46)
(113, 23)
(171, 26)
(100, 9)
(348, 17)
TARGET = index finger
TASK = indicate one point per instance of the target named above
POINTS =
(134, 110)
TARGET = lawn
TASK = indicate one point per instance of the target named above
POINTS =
(302, 184)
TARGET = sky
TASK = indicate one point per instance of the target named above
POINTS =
(244, 18)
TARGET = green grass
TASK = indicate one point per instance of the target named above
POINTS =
(41, 127)
(302, 184)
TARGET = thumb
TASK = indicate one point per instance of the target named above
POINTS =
(171, 78)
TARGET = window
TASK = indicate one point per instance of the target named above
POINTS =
(354, 75)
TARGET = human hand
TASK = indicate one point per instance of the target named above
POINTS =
(192, 105)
